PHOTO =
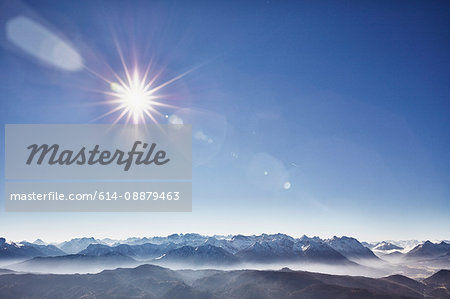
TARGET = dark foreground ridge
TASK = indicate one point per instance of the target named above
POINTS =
(149, 281)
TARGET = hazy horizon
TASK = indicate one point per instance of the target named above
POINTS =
(57, 241)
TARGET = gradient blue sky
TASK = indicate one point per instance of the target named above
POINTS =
(347, 101)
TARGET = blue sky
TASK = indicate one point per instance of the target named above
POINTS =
(326, 118)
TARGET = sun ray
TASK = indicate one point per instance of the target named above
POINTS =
(134, 95)
(108, 113)
(169, 82)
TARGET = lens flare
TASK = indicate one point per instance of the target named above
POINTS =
(136, 97)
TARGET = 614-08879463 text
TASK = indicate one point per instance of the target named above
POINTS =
(98, 195)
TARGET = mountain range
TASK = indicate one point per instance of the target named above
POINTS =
(193, 251)
(150, 281)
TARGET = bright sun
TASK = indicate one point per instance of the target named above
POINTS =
(135, 99)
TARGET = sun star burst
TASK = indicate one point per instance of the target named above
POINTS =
(136, 97)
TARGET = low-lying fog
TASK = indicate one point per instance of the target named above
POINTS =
(368, 268)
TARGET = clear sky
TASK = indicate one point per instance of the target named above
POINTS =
(316, 118)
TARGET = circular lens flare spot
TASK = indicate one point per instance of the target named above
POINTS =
(287, 185)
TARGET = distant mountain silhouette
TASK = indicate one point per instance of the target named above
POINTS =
(46, 250)
(11, 250)
(150, 281)
(351, 248)
(140, 252)
(194, 251)
(76, 245)
(429, 249)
